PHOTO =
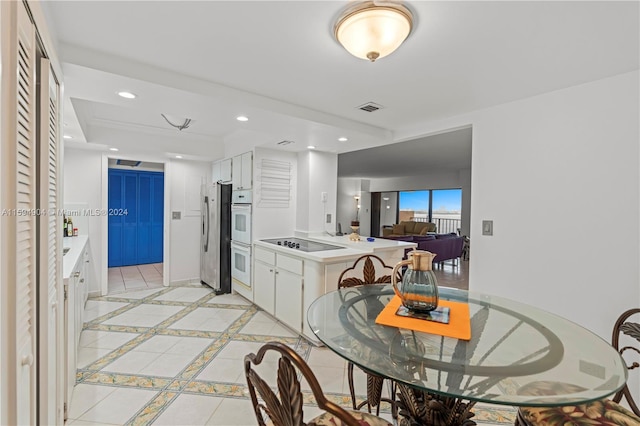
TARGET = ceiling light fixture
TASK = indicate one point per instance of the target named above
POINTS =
(373, 29)
(311, 147)
(127, 95)
(178, 156)
(342, 139)
(67, 137)
(185, 124)
(242, 118)
(113, 149)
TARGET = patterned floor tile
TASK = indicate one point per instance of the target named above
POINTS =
(174, 355)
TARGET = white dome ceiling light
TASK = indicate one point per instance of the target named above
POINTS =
(373, 29)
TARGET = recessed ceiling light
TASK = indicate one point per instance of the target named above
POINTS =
(113, 149)
(242, 118)
(311, 147)
(127, 95)
(67, 137)
(342, 139)
(178, 156)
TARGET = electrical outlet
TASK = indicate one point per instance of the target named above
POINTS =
(328, 217)
(175, 215)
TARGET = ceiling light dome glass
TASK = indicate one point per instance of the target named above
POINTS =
(373, 30)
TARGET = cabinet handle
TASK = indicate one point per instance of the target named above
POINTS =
(86, 261)
(277, 272)
(270, 270)
(76, 274)
(82, 280)
(27, 360)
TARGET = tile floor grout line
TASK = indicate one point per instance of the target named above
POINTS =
(168, 389)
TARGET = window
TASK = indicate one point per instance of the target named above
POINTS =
(440, 206)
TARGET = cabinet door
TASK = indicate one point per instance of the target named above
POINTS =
(247, 170)
(289, 299)
(263, 282)
(236, 173)
(225, 170)
(215, 171)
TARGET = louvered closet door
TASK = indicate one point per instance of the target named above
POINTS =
(25, 225)
(50, 335)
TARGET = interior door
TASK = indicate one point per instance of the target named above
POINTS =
(51, 333)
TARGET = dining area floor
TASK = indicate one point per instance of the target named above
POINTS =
(174, 356)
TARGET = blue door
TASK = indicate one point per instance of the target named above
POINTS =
(136, 204)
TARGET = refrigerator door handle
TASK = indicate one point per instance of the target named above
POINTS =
(206, 241)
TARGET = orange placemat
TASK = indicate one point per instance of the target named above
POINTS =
(459, 321)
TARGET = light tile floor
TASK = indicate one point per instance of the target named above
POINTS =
(136, 277)
(173, 356)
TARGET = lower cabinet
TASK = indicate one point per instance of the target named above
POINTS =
(278, 286)
(264, 291)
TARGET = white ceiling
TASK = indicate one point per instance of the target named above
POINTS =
(277, 63)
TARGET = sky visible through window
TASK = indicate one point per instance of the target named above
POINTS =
(444, 200)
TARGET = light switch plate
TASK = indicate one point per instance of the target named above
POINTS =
(175, 215)
(328, 217)
(487, 227)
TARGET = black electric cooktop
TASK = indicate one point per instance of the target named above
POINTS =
(302, 245)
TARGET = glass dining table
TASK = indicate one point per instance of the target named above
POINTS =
(518, 355)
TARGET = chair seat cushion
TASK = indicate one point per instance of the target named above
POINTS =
(603, 412)
(365, 419)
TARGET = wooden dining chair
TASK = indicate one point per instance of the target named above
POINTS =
(602, 412)
(366, 270)
(285, 408)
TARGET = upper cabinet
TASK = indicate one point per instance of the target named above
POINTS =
(242, 174)
(221, 171)
(225, 170)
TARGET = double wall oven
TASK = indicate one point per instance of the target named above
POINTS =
(241, 241)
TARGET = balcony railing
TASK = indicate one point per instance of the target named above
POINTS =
(443, 225)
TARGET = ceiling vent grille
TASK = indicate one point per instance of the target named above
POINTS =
(283, 143)
(130, 163)
(370, 107)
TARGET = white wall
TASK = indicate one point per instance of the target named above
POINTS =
(559, 175)
(83, 188)
(321, 169)
(185, 178)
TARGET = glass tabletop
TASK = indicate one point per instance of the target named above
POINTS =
(517, 355)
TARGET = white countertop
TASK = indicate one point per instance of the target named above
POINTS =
(76, 249)
(351, 248)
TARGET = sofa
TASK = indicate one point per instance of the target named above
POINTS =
(409, 227)
(445, 246)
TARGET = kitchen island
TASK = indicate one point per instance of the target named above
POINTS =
(287, 279)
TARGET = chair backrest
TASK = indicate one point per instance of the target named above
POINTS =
(285, 409)
(632, 330)
(374, 271)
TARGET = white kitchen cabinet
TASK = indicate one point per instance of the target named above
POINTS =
(242, 171)
(278, 286)
(226, 170)
(289, 298)
(264, 282)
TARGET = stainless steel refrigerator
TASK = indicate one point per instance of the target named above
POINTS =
(215, 239)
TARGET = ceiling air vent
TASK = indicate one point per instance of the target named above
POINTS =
(283, 143)
(130, 163)
(370, 107)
